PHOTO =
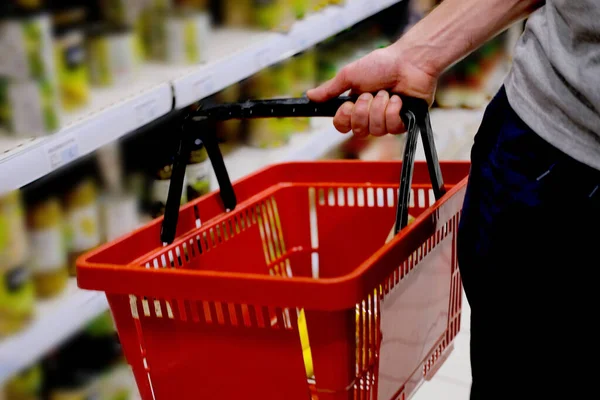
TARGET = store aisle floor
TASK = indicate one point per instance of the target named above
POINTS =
(453, 380)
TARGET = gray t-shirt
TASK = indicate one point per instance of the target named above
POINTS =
(554, 85)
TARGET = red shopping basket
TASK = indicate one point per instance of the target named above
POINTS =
(215, 314)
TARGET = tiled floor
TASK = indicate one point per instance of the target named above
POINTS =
(453, 380)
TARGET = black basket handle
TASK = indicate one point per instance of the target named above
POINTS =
(415, 114)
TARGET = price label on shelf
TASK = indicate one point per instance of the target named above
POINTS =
(204, 86)
(263, 58)
(62, 151)
(146, 112)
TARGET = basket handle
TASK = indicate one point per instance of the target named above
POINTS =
(417, 121)
(415, 114)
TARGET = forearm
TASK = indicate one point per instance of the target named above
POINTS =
(457, 27)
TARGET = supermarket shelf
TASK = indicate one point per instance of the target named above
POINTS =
(57, 320)
(269, 48)
(111, 114)
(233, 55)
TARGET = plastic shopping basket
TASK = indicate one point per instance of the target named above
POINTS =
(292, 294)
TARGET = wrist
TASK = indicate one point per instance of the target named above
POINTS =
(420, 54)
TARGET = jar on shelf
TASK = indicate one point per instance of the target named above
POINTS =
(198, 172)
(13, 235)
(48, 258)
(153, 28)
(26, 45)
(187, 36)
(17, 299)
(69, 39)
(29, 108)
(275, 15)
(25, 385)
(237, 13)
(82, 217)
(114, 55)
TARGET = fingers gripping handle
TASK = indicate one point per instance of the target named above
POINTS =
(414, 114)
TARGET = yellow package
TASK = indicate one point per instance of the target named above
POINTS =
(306, 351)
(273, 14)
(73, 82)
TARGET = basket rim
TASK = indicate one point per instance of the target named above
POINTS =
(343, 291)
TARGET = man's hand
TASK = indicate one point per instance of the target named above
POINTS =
(412, 65)
(380, 71)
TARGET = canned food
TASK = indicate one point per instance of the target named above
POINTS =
(29, 108)
(113, 54)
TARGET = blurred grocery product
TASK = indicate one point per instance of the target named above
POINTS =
(30, 107)
(17, 299)
(187, 36)
(26, 385)
(197, 172)
(114, 55)
(161, 180)
(82, 217)
(69, 18)
(26, 45)
(236, 13)
(28, 93)
(159, 147)
(13, 236)
(48, 258)
(273, 14)
(17, 295)
(119, 204)
(153, 21)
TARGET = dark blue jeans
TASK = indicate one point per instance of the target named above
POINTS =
(528, 247)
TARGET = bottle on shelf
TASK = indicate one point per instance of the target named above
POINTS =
(275, 15)
(17, 294)
(48, 261)
(113, 53)
(29, 104)
(120, 206)
(82, 213)
(197, 172)
(69, 19)
(188, 33)
(25, 385)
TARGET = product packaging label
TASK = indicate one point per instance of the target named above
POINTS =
(48, 251)
(84, 228)
(16, 278)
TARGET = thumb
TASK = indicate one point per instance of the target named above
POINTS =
(332, 88)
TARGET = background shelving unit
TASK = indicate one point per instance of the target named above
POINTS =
(233, 55)
(159, 90)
